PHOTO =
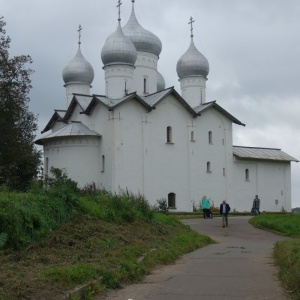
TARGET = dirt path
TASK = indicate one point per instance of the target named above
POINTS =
(239, 266)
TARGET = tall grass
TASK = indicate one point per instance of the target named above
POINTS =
(286, 253)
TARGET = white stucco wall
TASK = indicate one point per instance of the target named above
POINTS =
(78, 156)
(271, 181)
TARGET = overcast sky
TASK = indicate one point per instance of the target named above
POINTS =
(253, 48)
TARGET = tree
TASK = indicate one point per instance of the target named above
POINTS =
(19, 159)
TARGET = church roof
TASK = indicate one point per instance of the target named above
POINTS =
(78, 99)
(56, 117)
(113, 103)
(154, 99)
(72, 129)
(78, 70)
(262, 154)
(202, 107)
(143, 40)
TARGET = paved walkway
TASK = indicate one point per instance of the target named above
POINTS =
(239, 266)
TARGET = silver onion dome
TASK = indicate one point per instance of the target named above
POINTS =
(161, 85)
(118, 49)
(78, 70)
(143, 40)
(192, 63)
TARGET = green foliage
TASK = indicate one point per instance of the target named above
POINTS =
(286, 253)
(28, 217)
(284, 224)
(123, 208)
(72, 275)
(19, 159)
(3, 239)
(162, 205)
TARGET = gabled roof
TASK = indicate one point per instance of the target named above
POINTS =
(113, 103)
(72, 129)
(154, 99)
(202, 107)
(56, 117)
(261, 154)
(78, 99)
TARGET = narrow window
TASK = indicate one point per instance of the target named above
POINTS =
(46, 167)
(172, 200)
(224, 173)
(192, 136)
(126, 91)
(210, 137)
(247, 174)
(103, 164)
(223, 142)
(145, 85)
(208, 167)
(169, 134)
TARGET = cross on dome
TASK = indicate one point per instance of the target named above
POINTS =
(119, 6)
(191, 22)
(79, 34)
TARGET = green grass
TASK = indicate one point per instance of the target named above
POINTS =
(286, 253)
(56, 239)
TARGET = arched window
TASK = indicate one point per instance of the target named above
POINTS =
(210, 137)
(172, 200)
(169, 134)
(247, 174)
(208, 170)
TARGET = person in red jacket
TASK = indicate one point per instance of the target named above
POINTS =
(224, 210)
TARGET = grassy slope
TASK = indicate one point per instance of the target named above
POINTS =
(286, 253)
(86, 249)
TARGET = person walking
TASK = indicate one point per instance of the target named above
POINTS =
(205, 206)
(256, 205)
(224, 211)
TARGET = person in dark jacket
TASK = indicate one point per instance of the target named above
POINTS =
(256, 205)
(224, 210)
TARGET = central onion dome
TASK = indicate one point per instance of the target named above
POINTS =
(118, 49)
(143, 40)
(78, 70)
(192, 63)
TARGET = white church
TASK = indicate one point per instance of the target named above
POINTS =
(145, 138)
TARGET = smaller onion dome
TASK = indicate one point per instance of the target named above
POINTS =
(118, 49)
(192, 63)
(161, 85)
(143, 40)
(78, 70)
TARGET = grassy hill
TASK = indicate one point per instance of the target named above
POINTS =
(57, 238)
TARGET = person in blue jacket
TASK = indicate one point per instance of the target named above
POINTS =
(205, 206)
(224, 211)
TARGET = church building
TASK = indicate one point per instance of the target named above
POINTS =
(148, 139)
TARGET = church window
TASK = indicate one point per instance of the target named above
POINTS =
(126, 90)
(224, 172)
(208, 170)
(169, 134)
(192, 136)
(171, 200)
(103, 164)
(46, 167)
(145, 85)
(247, 174)
(210, 137)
